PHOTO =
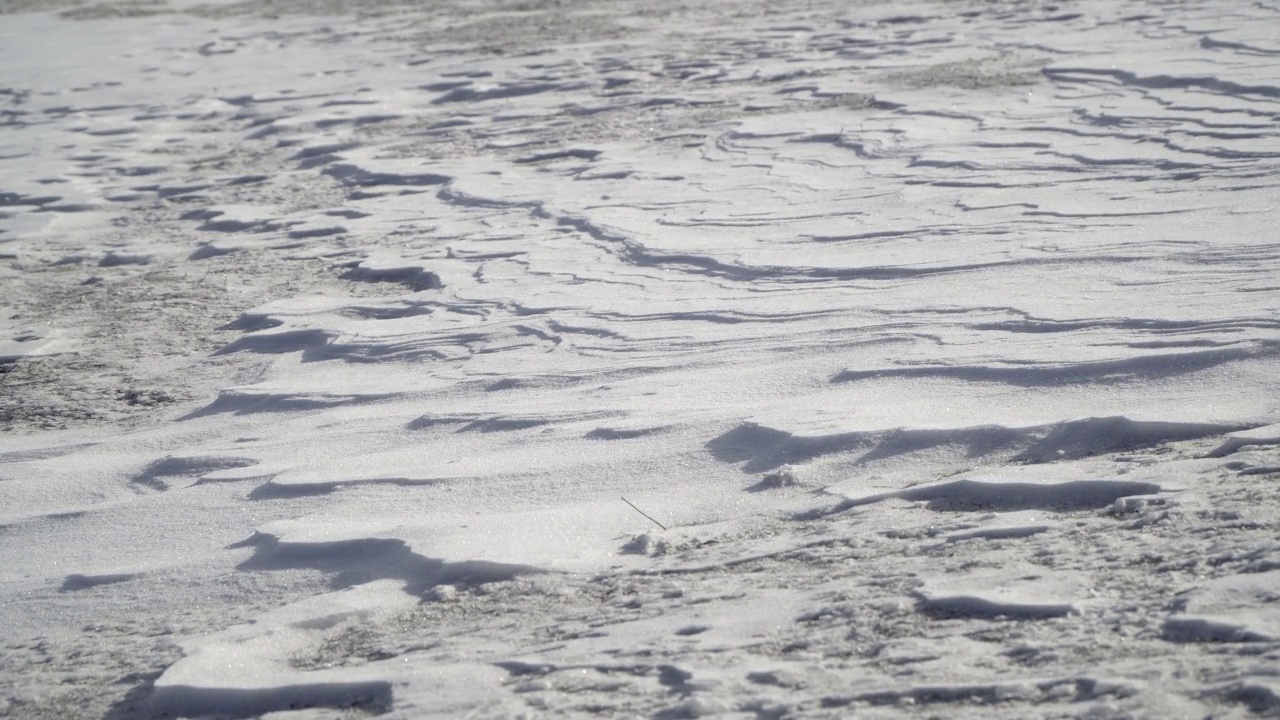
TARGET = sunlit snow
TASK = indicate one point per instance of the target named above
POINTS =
(483, 358)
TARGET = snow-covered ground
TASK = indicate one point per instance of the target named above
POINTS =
(764, 358)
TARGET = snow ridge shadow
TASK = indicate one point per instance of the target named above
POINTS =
(1155, 366)
(364, 560)
(373, 697)
(761, 448)
(994, 496)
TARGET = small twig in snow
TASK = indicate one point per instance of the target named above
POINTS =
(633, 507)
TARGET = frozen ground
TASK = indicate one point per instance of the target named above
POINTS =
(943, 338)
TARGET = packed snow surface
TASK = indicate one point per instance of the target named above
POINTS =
(483, 358)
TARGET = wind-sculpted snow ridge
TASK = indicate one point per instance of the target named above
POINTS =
(767, 359)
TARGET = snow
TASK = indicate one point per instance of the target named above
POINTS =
(744, 359)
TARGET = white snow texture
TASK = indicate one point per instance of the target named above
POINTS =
(586, 358)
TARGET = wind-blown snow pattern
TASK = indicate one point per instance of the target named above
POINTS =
(937, 345)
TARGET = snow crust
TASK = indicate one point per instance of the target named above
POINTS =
(745, 359)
